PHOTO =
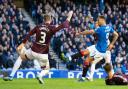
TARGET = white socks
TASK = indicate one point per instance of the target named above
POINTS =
(43, 73)
(16, 66)
(83, 78)
(92, 70)
(36, 65)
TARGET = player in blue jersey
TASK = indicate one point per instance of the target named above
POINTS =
(99, 50)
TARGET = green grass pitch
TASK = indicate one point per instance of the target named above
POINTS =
(56, 84)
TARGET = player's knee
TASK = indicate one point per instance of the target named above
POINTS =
(86, 63)
(98, 57)
(108, 67)
(23, 57)
(93, 62)
(47, 68)
(84, 52)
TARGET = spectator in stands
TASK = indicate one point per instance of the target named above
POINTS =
(126, 64)
(119, 58)
(118, 68)
(12, 27)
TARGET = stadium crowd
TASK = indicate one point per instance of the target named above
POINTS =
(13, 26)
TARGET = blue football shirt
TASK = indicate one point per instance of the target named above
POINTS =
(103, 37)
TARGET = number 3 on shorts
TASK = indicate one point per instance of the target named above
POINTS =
(42, 37)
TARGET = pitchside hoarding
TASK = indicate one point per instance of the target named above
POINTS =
(58, 74)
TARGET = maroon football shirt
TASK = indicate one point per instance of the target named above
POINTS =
(44, 34)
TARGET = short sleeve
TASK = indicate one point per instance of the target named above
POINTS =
(111, 30)
(97, 30)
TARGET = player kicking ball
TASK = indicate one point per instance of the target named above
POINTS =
(93, 62)
(99, 50)
(40, 47)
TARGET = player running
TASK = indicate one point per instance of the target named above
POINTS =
(40, 47)
(99, 50)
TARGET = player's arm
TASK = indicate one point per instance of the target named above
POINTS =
(65, 24)
(26, 39)
(86, 32)
(115, 37)
(69, 16)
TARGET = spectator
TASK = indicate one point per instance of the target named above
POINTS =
(12, 27)
(119, 58)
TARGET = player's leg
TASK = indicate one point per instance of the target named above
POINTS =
(46, 70)
(16, 65)
(108, 65)
(90, 51)
(108, 69)
(92, 71)
(97, 58)
(86, 66)
(80, 54)
(36, 64)
(43, 61)
(43, 73)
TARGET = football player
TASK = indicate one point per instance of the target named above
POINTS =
(40, 47)
(117, 78)
(99, 50)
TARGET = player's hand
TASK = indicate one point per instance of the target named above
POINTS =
(77, 34)
(20, 47)
(110, 47)
(69, 15)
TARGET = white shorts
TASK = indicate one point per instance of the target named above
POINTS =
(42, 58)
(98, 55)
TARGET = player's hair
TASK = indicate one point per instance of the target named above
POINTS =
(102, 17)
(96, 22)
(47, 17)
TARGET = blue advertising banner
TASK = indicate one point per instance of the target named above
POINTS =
(56, 74)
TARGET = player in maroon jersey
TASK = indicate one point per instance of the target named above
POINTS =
(40, 47)
(117, 79)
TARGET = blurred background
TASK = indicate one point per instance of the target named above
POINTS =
(18, 17)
